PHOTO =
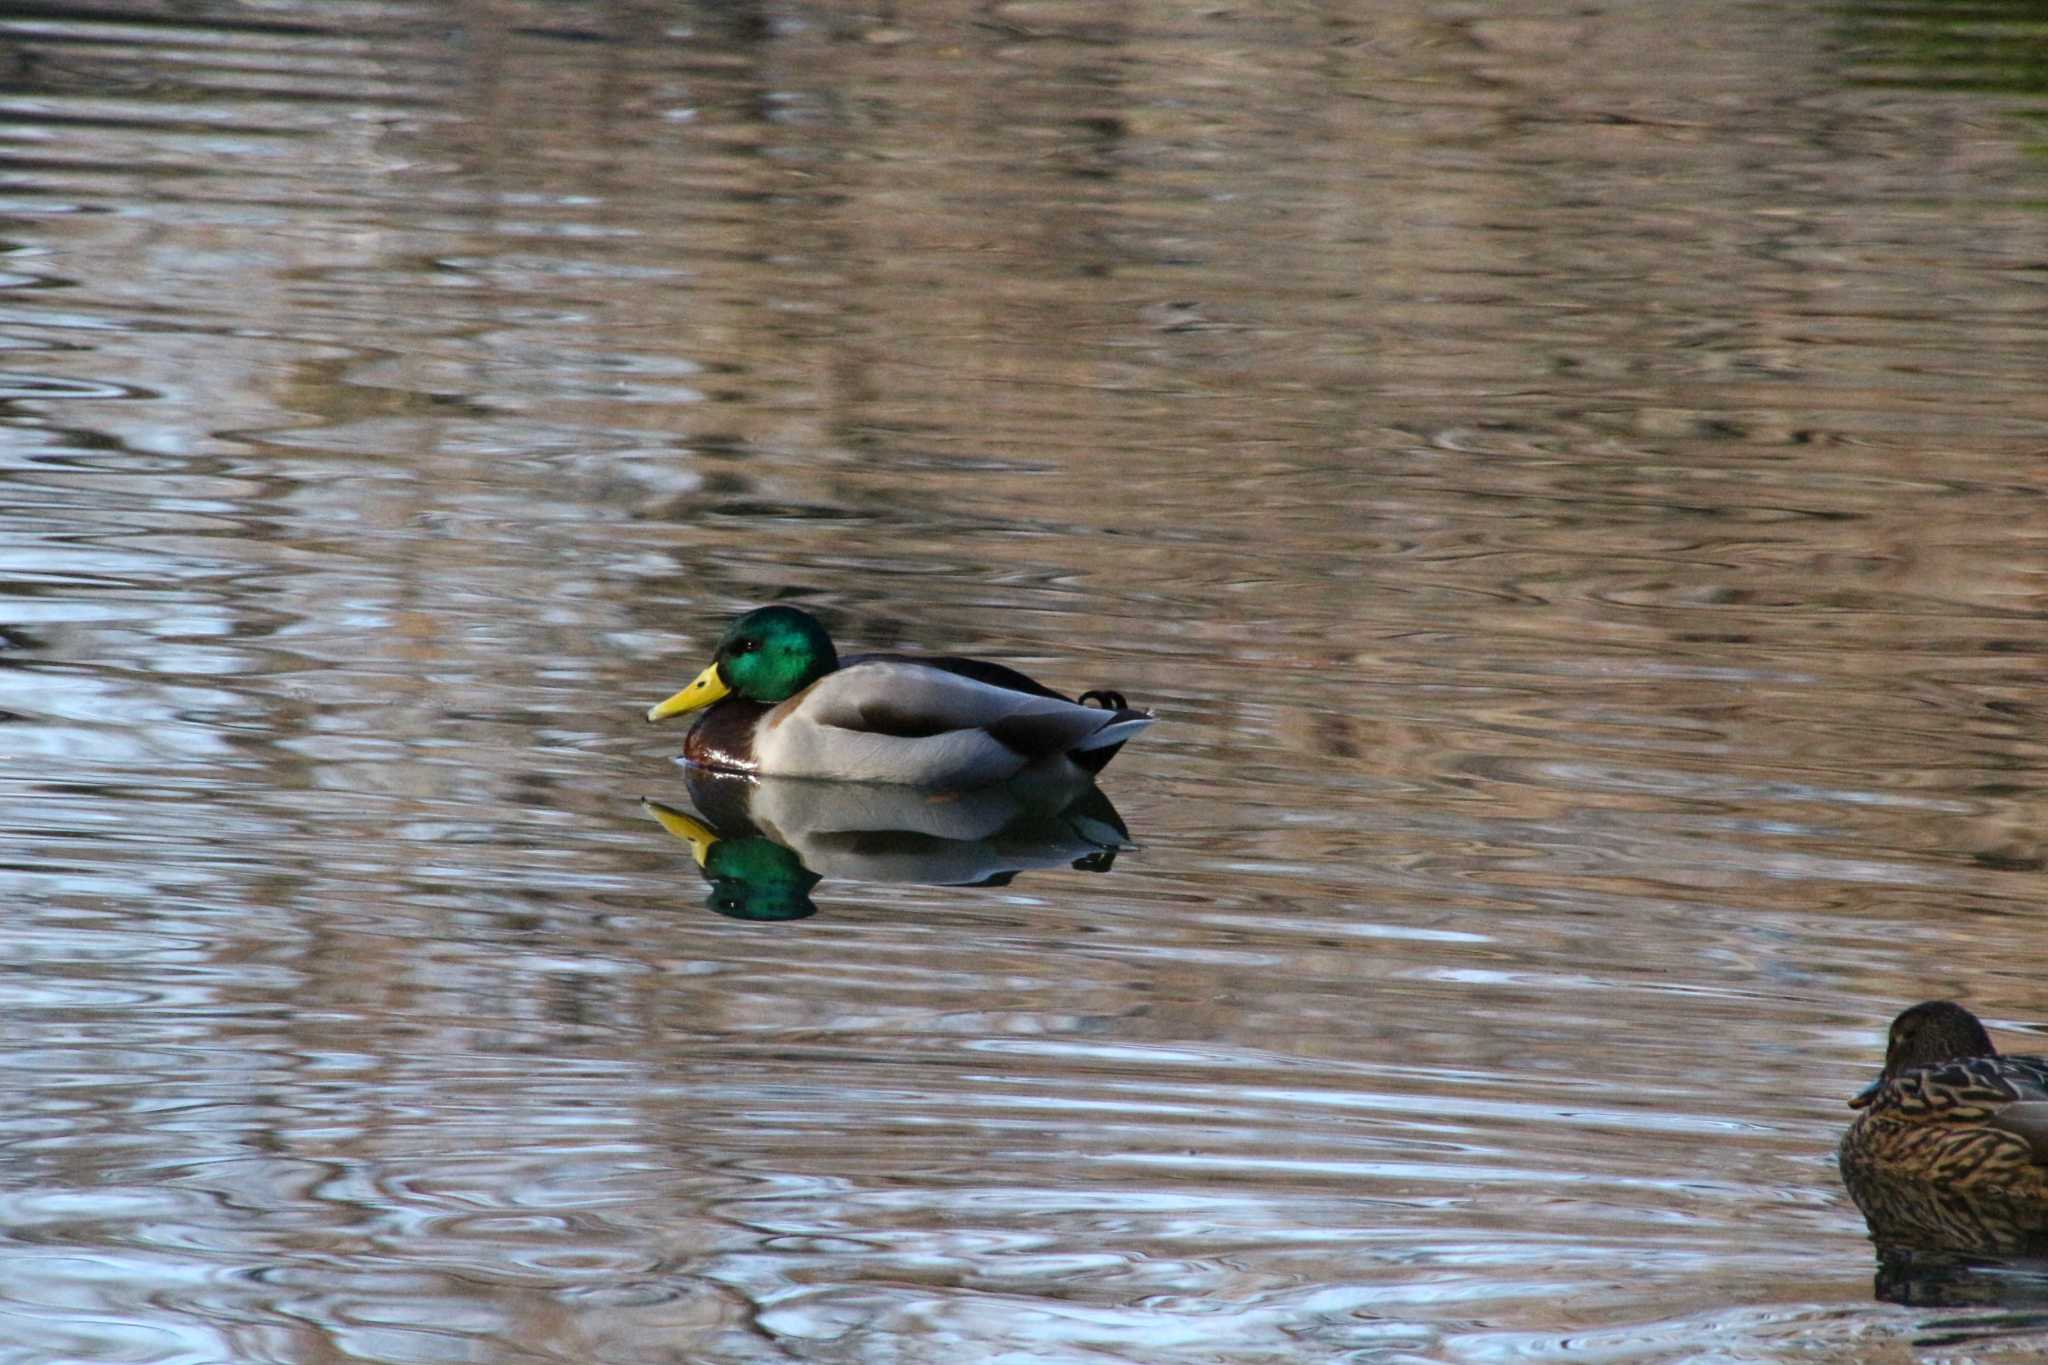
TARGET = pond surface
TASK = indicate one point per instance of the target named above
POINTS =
(1569, 481)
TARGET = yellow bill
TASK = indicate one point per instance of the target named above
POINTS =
(707, 688)
(697, 835)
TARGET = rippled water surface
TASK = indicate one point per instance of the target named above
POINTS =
(1568, 479)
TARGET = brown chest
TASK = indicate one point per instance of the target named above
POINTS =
(723, 737)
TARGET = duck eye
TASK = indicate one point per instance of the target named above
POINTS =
(745, 646)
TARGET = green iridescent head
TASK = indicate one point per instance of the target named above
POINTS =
(768, 655)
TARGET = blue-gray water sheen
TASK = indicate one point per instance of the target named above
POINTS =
(1568, 480)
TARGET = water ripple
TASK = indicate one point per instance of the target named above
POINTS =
(1595, 669)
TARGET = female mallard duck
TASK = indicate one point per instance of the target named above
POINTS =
(1950, 1110)
(783, 704)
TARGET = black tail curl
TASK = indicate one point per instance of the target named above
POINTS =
(1106, 699)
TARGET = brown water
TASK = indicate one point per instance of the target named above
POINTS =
(1569, 481)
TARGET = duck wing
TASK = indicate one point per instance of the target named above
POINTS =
(916, 699)
(980, 670)
(2028, 1076)
(1091, 756)
(2026, 1117)
(2029, 1121)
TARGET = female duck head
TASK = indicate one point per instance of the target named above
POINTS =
(1932, 1033)
(768, 655)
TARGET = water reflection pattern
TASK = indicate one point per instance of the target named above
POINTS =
(1581, 514)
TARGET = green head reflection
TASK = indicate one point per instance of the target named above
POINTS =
(758, 879)
(751, 878)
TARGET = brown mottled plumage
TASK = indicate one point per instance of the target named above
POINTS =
(1949, 1110)
(1908, 1213)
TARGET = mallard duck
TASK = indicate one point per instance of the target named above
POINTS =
(783, 704)
(1950, 1110)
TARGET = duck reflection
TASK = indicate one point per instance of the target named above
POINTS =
(764, 843)
(1939, 1246)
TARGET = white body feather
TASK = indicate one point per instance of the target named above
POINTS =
(850, 725)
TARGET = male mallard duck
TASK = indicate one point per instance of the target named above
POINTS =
(1950, 1110)
(783, 704)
